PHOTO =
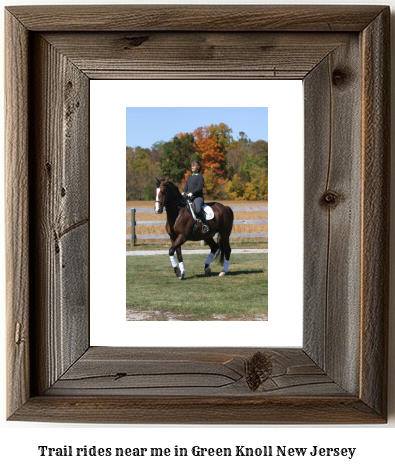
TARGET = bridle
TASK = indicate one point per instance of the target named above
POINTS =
(164, 202)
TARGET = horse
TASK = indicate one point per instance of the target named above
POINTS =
(180, 226)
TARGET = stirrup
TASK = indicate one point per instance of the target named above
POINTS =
(205, 228)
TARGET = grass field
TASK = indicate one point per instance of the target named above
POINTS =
(154, 293)
(165, 245)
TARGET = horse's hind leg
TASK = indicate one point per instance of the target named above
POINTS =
(226, 248)
(214, 247)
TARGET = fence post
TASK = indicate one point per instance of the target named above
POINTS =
(132, 226)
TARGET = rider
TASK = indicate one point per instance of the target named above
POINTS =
(194, 189)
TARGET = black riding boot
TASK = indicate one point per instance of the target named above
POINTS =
(195, 216)
(205, 227)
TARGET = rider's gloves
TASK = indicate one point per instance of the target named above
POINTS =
(183, 194)
(190, 194)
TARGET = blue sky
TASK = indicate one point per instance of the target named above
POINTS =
(145, 126)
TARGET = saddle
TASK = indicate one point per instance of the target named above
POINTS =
(208, 212)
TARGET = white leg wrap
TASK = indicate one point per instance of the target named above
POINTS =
(173, 261)
(226, 266)
(209, 258)
(182, 267)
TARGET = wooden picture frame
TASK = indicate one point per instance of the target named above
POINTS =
(340, 374)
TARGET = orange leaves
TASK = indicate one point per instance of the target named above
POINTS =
(211, 150)
(213, 158)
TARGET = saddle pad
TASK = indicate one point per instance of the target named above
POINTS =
(208, 211)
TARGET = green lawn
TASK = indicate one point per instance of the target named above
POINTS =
(240, 295)
(165, 245)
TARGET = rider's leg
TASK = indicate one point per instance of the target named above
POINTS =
(198, 201)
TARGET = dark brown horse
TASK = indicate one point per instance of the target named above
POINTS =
(180, 226)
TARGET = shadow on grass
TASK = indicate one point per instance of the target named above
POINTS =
(229, 274)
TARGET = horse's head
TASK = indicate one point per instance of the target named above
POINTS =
(161, 195)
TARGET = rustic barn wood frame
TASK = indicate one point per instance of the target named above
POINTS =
(340, 374)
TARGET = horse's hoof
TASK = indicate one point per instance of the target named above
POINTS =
(207, 271)
(222, 273)
(177, 272)
(182, 277)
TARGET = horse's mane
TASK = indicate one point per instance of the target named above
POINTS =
(172, 185)
(175, 189)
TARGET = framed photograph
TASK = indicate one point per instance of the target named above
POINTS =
(224, 218)
(339, 374)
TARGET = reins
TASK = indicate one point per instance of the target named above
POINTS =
(170, 205)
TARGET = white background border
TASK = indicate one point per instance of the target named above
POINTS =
(19, 441)
(109, 99)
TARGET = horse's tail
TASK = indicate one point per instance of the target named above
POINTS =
(233, 218)
(221, 251)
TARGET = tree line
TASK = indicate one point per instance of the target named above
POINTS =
(233, 168)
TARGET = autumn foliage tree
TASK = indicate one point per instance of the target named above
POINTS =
(140, 174)
(223, 133)
(234, 169)
(211, 151)
(247, 169)
(177, 157)
(211, 142)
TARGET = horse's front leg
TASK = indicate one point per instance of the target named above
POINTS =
(180, 263)
(176, 247)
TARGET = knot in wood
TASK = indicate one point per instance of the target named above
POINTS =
(135, 41)
(18, 334)
(339, 77)
(120, 375)
(330, 199)
(259, 369)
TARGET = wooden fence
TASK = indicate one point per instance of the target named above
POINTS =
(133, 223)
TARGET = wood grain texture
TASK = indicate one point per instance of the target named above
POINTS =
(375, 211)
(188, 372)
(317, 114)
(17, 213)
(339, 376)
(332, 214)
(60, 180)
(149, 55)
(198, 410)
(156, 385)
(196, 17)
